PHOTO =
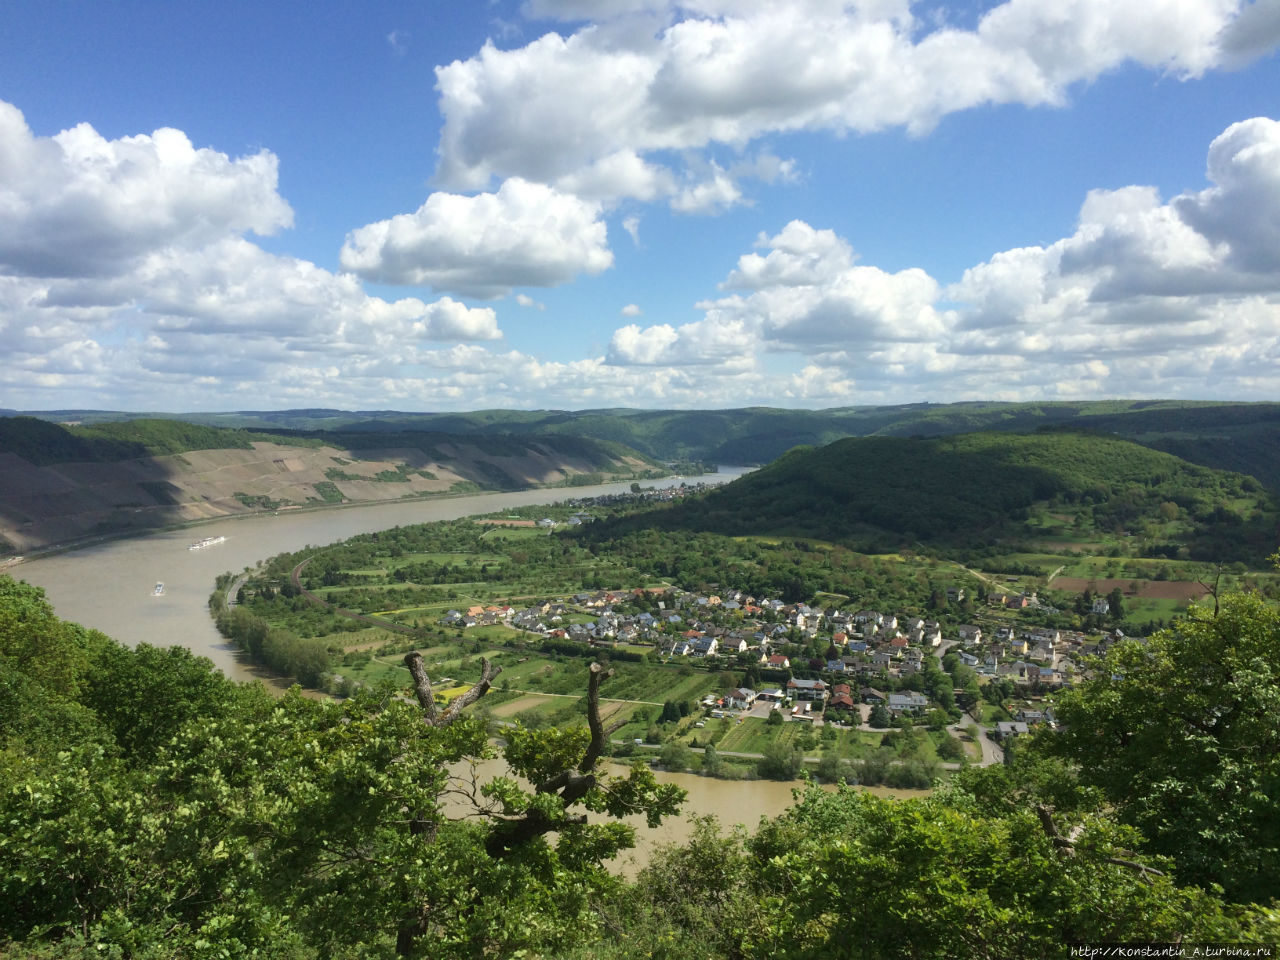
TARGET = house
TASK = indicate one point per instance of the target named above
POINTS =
(1044, 635)
(741, 698)
(806, 689)
(1044, 652)
(1031, 716)
(776, 661)
(729, 645)
(772, 696)
(872, 695)
(705, 646)
(1100, 606)
(842, 698)
(912, 660)
(969, 633)
(1009, 728)
(909, 702)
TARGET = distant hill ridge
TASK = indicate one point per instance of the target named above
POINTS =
(62, 483)
(1238, 436)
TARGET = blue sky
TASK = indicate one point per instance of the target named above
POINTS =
(211, 206)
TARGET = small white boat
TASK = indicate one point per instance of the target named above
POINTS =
(159, 590)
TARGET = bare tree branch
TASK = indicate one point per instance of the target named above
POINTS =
(421, 685)
(1217, 581)
(487, 673)
(426, 696)
(1068, 845)
(599, 736)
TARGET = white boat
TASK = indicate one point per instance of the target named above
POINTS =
(159, 590)
(206, 542)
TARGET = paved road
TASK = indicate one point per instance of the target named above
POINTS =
(233, 591)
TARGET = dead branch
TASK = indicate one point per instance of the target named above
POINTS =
(1068, 844)
(421, 685)
(599, 736)
(488, 672)
(426, 696)
(1217, 581)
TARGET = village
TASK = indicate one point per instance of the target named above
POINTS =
(816, 664)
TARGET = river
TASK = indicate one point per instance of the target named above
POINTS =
(110, 586)
(733, 802)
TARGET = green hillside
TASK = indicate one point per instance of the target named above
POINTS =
(969, 490)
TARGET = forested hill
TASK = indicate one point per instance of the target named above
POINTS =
(1234, 436)
(964, 491)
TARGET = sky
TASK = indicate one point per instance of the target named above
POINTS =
(572, 204)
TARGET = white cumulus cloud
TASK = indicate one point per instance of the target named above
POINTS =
(1147, 297)
(77, 204)
(526, 234)
(126, 276)
(714, 341)
(602, 109)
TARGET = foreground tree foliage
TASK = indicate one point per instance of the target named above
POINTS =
(1182, 734)
(151, 808)
(163, 811)
(852, 875)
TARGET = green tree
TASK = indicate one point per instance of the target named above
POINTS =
(847, 874)
(832, 768)
(949, 748)
(712, 765)
(780, 762)
(675, 756)
(1180, 733)
(1115, 603)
